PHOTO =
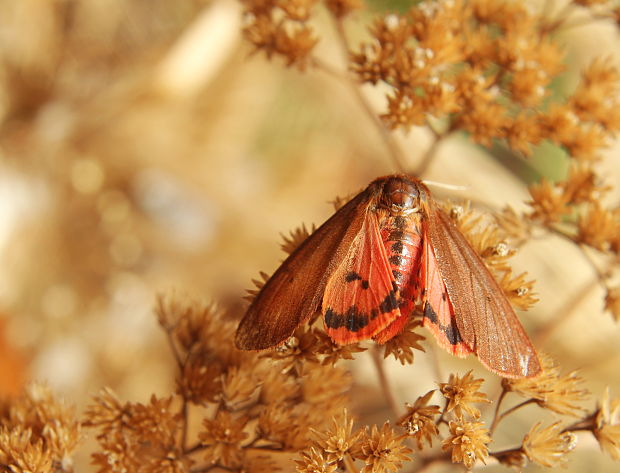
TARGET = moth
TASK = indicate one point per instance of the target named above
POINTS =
(390, 247)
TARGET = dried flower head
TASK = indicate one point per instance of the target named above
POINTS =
(607, 429)
(548, 446)
(332, 352)
(37, 432)
(339, 440)
(281, 29)
(520, 292)
(461, 393)
(326, 385)
(20, 452)
(597, 226)
(419, 421)
(237, 388)
(551, 390)
(278, 387)
(382, 450)
(402, 345)
(135, 436)
(549, 202)
(516, 228)
(314, 461)
(298, 350)
(274, 425)
(188, 322)
(222, 438)
(296, 238)
(467, 442)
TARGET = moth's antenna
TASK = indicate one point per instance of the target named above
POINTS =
(443, 185)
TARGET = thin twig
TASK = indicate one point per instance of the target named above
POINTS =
(349, 464)
(430, 460)
(564, 313)
(193, 449)
(601, 275)
(587, 423)
(173, 348)
(184, 414)
(383, 381)
(431, 152)
(395, 152)
(560, 19)
(496, 415)
(443, 413)
(510, 411)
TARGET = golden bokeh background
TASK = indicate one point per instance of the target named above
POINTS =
(144, 149)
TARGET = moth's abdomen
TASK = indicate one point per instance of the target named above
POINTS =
(403, 244)
(401, 237)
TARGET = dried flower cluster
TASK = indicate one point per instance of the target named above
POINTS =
(465, 436)
(483, 67)
(249, 404)
(491, 79)
(37, 433)
(551, 390)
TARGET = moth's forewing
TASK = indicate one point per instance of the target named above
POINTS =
(295, 291)
(485, 319)
(361, 298)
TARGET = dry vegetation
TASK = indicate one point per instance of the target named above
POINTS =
(136, 139)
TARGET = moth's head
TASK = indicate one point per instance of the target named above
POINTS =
(403, 196)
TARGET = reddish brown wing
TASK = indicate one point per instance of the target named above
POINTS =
(295, 291)
(439, 315)
(485, 319)
(361, 297)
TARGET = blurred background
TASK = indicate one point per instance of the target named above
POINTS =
(144, 149)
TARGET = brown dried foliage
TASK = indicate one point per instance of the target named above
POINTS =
(240, 411)
(248, 403)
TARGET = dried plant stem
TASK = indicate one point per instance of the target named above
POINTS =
(496, 416)
(193, 449)
(587, 423)
(560, 19)
(443, 413)
(395, 152)
(386, 135)
(184, 420)
(601, 275)
(503, 453)
(564, 313)
(204, 469)
(383, 381)
(173, 349)
(431, 152)
(428, 461)
(349, 464)
(507, 412)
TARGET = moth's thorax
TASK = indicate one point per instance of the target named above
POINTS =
(402, 196)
